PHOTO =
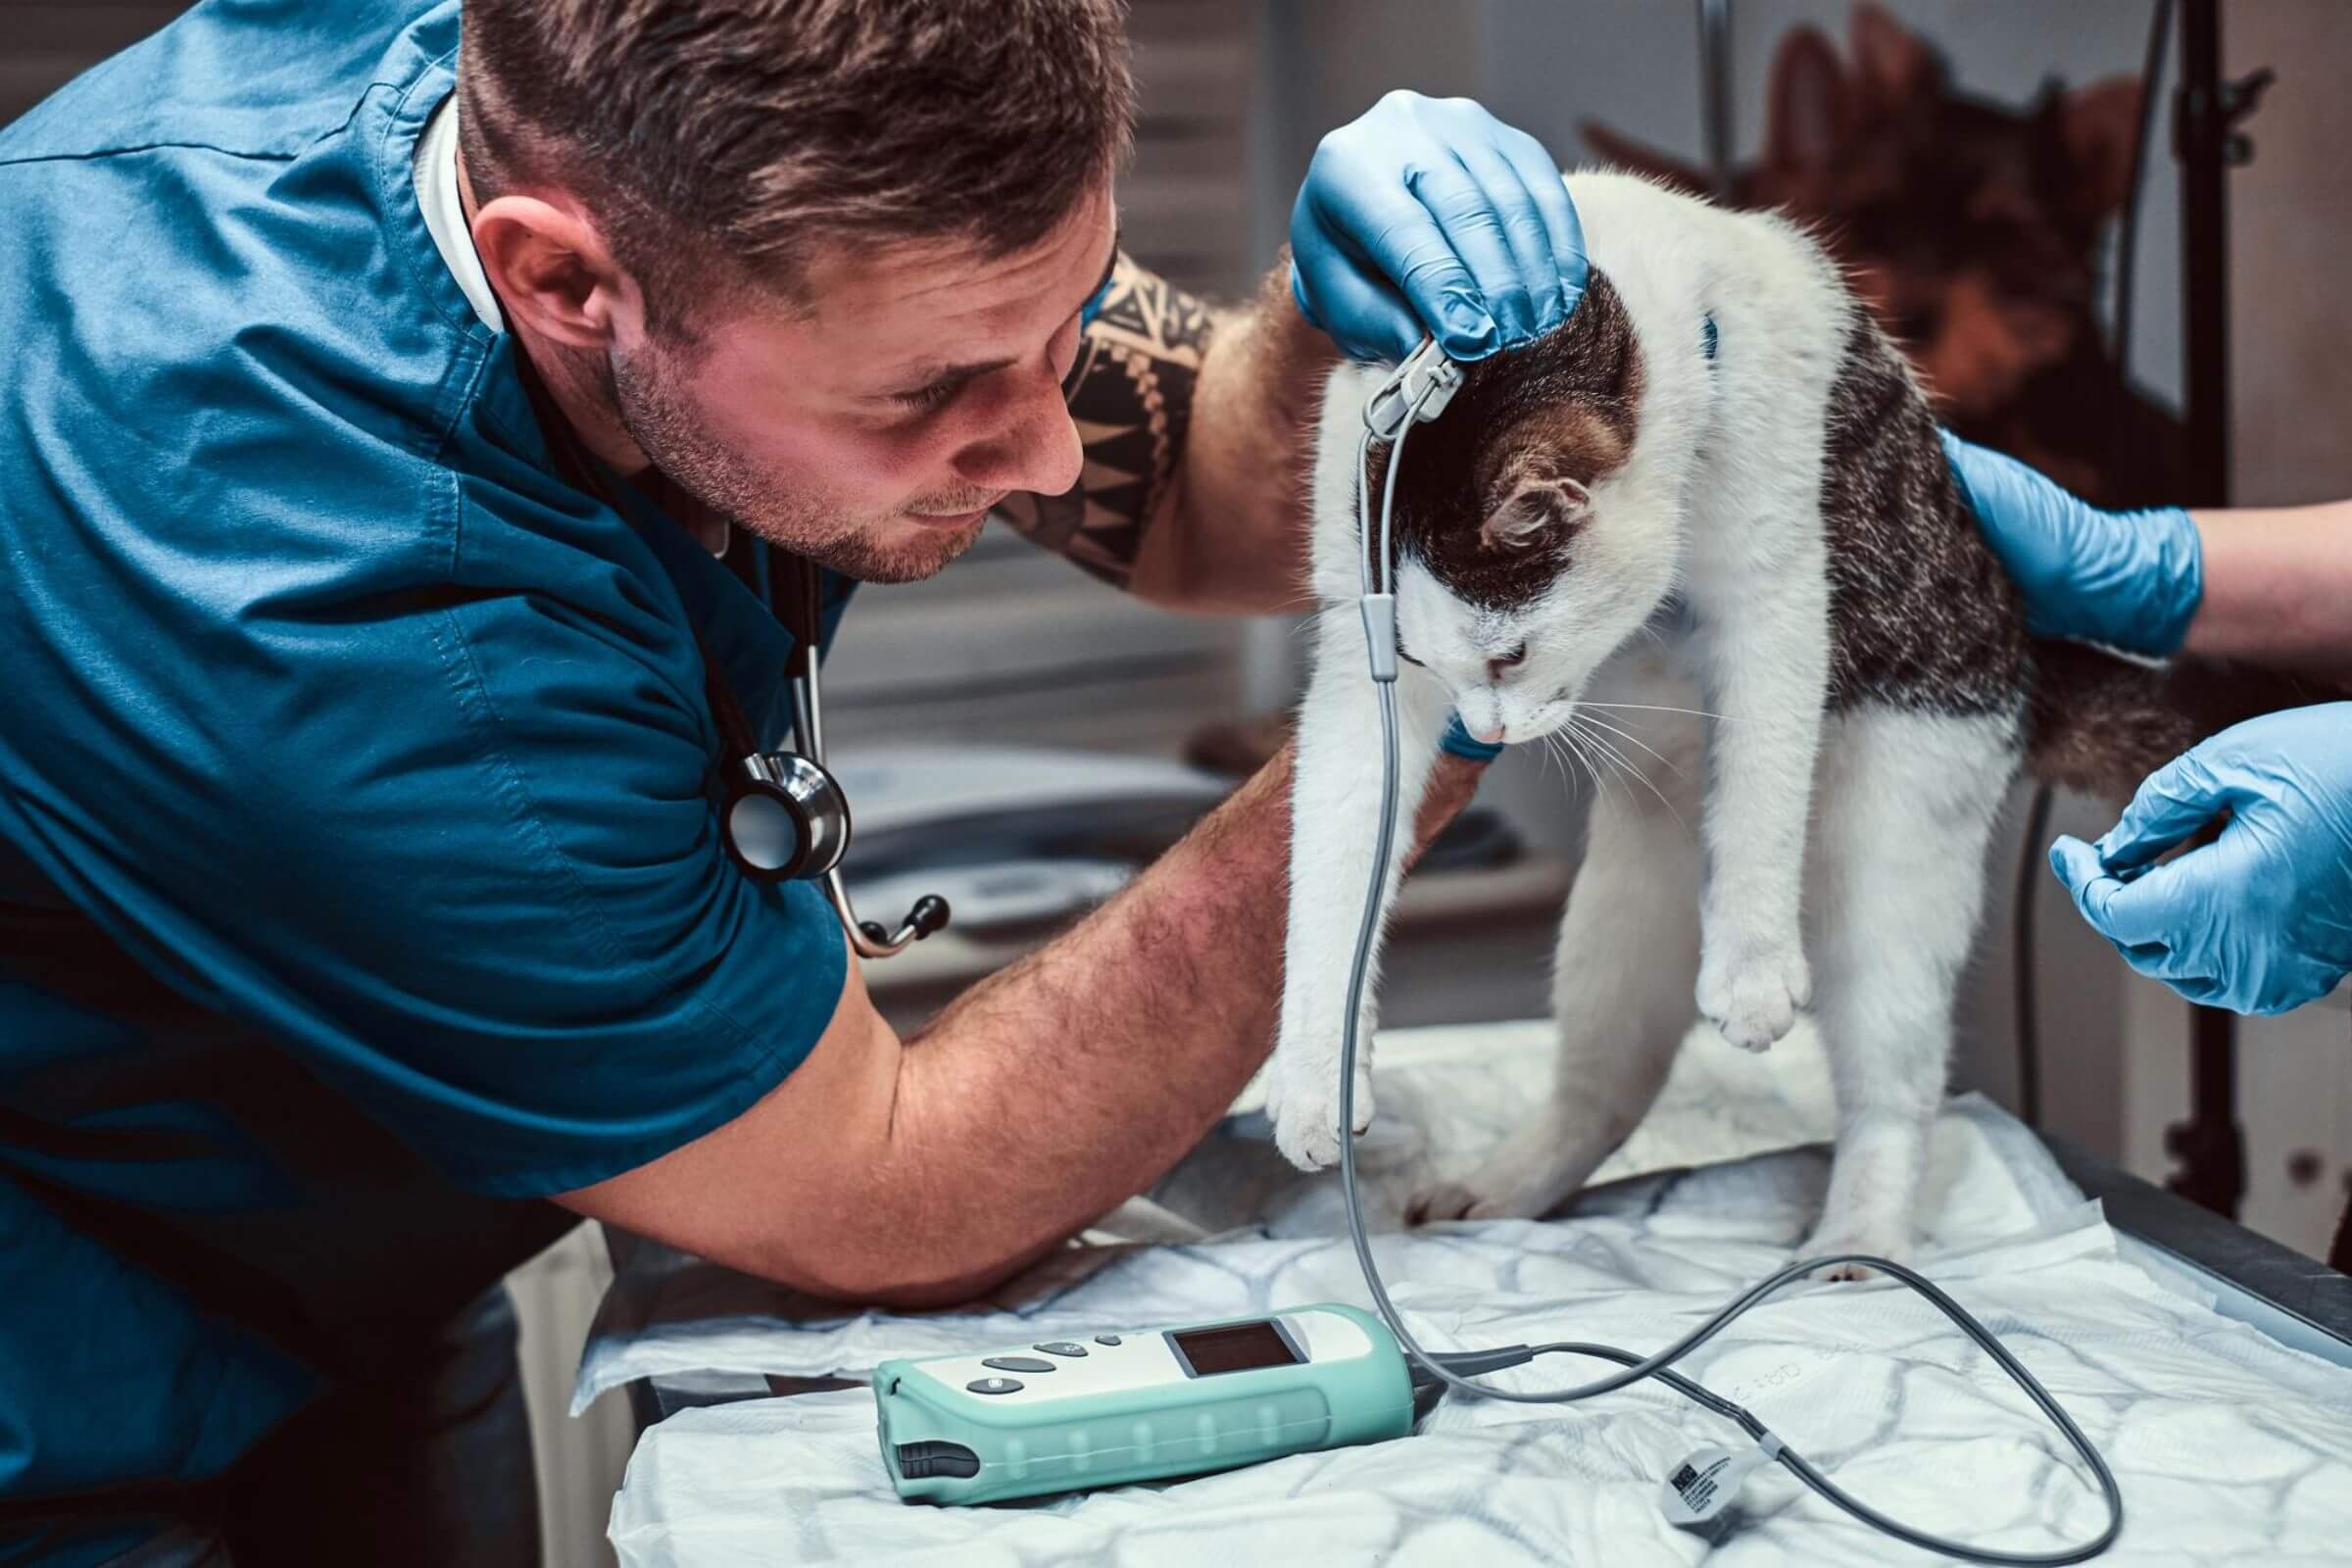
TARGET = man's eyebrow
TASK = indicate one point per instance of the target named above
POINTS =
(933, 374)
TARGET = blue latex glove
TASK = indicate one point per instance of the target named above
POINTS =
(1431, 215)
(1461, 742)
(2127, 579)
(2259, 920)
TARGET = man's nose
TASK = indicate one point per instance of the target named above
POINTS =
(1035, 448)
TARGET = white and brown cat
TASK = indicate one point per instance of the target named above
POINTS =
(1705, 531)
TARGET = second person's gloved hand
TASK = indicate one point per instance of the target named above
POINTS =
(2129, 579)
(2259, 920)
(1429, 214)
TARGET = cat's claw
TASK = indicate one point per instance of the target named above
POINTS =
(1305, 1111)
(1873, 1246)
(1754, 999)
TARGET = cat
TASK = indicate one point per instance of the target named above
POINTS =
(1974, 231)
(1706, 530)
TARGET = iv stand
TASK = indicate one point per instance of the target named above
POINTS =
(2206, 110)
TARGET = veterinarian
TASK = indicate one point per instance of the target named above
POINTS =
(397, 440)
(2260, 919)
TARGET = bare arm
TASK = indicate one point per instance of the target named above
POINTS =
(2277, 587)
(1195, 420)
(922, 1172)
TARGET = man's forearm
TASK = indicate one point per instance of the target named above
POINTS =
(1196, 423)
(1236, 541)
(2277, 587)
(1052, 1092)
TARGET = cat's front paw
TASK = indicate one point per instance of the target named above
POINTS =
(1890, 1242)
(1753, 994)
(1303, 1097)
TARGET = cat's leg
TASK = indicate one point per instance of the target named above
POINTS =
(1908, 805)
(1334, 823)
(1622, 979)
(1763, 639)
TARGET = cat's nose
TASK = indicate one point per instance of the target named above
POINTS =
(1503, 663)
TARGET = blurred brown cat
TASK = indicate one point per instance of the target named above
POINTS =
(1973, 230)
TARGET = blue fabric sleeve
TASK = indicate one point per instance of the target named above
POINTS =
(455, 848)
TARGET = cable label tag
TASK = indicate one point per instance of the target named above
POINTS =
(1703, 1485)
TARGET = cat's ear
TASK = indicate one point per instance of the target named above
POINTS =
(1538, 511)
(1811, 110)
(1892, 65)
(2100, 125)
(1626, 153)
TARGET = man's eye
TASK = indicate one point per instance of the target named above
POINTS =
(938, 395)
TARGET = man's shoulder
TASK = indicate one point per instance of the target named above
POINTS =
(257, 79)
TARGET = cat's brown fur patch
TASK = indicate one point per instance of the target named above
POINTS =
(1921, 614)
(1563, 407)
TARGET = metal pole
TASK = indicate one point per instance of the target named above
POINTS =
(1715, 90)
(2210, 1145)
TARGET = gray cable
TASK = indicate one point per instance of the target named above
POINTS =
(1656, 1365)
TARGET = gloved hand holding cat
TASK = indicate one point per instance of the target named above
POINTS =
(2259, 920)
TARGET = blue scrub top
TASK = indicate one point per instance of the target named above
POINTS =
(360, 875)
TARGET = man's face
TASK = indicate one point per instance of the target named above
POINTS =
(872, 434)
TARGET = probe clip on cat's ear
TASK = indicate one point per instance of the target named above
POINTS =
(1417, 389)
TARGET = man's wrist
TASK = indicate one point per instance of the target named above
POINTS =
(2175, 579)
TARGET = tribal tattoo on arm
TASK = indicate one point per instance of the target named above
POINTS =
(1131, 395)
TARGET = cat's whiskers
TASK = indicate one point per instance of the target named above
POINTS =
(1654, 707)
(1588, 719)
(1575, 720)
(1575, 749)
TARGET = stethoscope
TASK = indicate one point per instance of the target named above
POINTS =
(783, 816)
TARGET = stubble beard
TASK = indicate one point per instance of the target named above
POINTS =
(885, 549)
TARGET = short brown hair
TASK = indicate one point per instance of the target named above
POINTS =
(719, 142)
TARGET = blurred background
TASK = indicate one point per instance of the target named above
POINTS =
(1877, 121)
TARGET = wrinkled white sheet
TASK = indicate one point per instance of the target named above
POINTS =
(2229, 1448)
(1447, 1096)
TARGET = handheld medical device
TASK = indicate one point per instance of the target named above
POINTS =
(1012, 1431)
(1140, 1405)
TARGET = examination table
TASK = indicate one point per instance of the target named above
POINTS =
(2213, 1369)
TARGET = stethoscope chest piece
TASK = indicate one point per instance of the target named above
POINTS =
(785, 817)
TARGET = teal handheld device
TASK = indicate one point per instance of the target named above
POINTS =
(1138, 1405)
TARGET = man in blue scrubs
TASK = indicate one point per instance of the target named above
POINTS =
(364, 920)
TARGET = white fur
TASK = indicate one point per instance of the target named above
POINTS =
(1718, 502)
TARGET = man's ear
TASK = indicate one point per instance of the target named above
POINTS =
(1538, 511)
(553, 270)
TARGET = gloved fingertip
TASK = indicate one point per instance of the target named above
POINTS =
(2073, 862)
(1469, 331)
(1298, 297)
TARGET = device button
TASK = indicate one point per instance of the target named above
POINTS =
(1060, 1347)
(1106, 1339)
(1018, 1363)
(994, 1385)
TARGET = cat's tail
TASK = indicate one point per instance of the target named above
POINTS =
(2099, 724)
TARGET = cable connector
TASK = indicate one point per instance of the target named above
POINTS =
(1379, 633)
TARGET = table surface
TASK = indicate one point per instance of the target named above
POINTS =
(2296, 1300)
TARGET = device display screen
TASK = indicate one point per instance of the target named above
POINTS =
(1236, 1348)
